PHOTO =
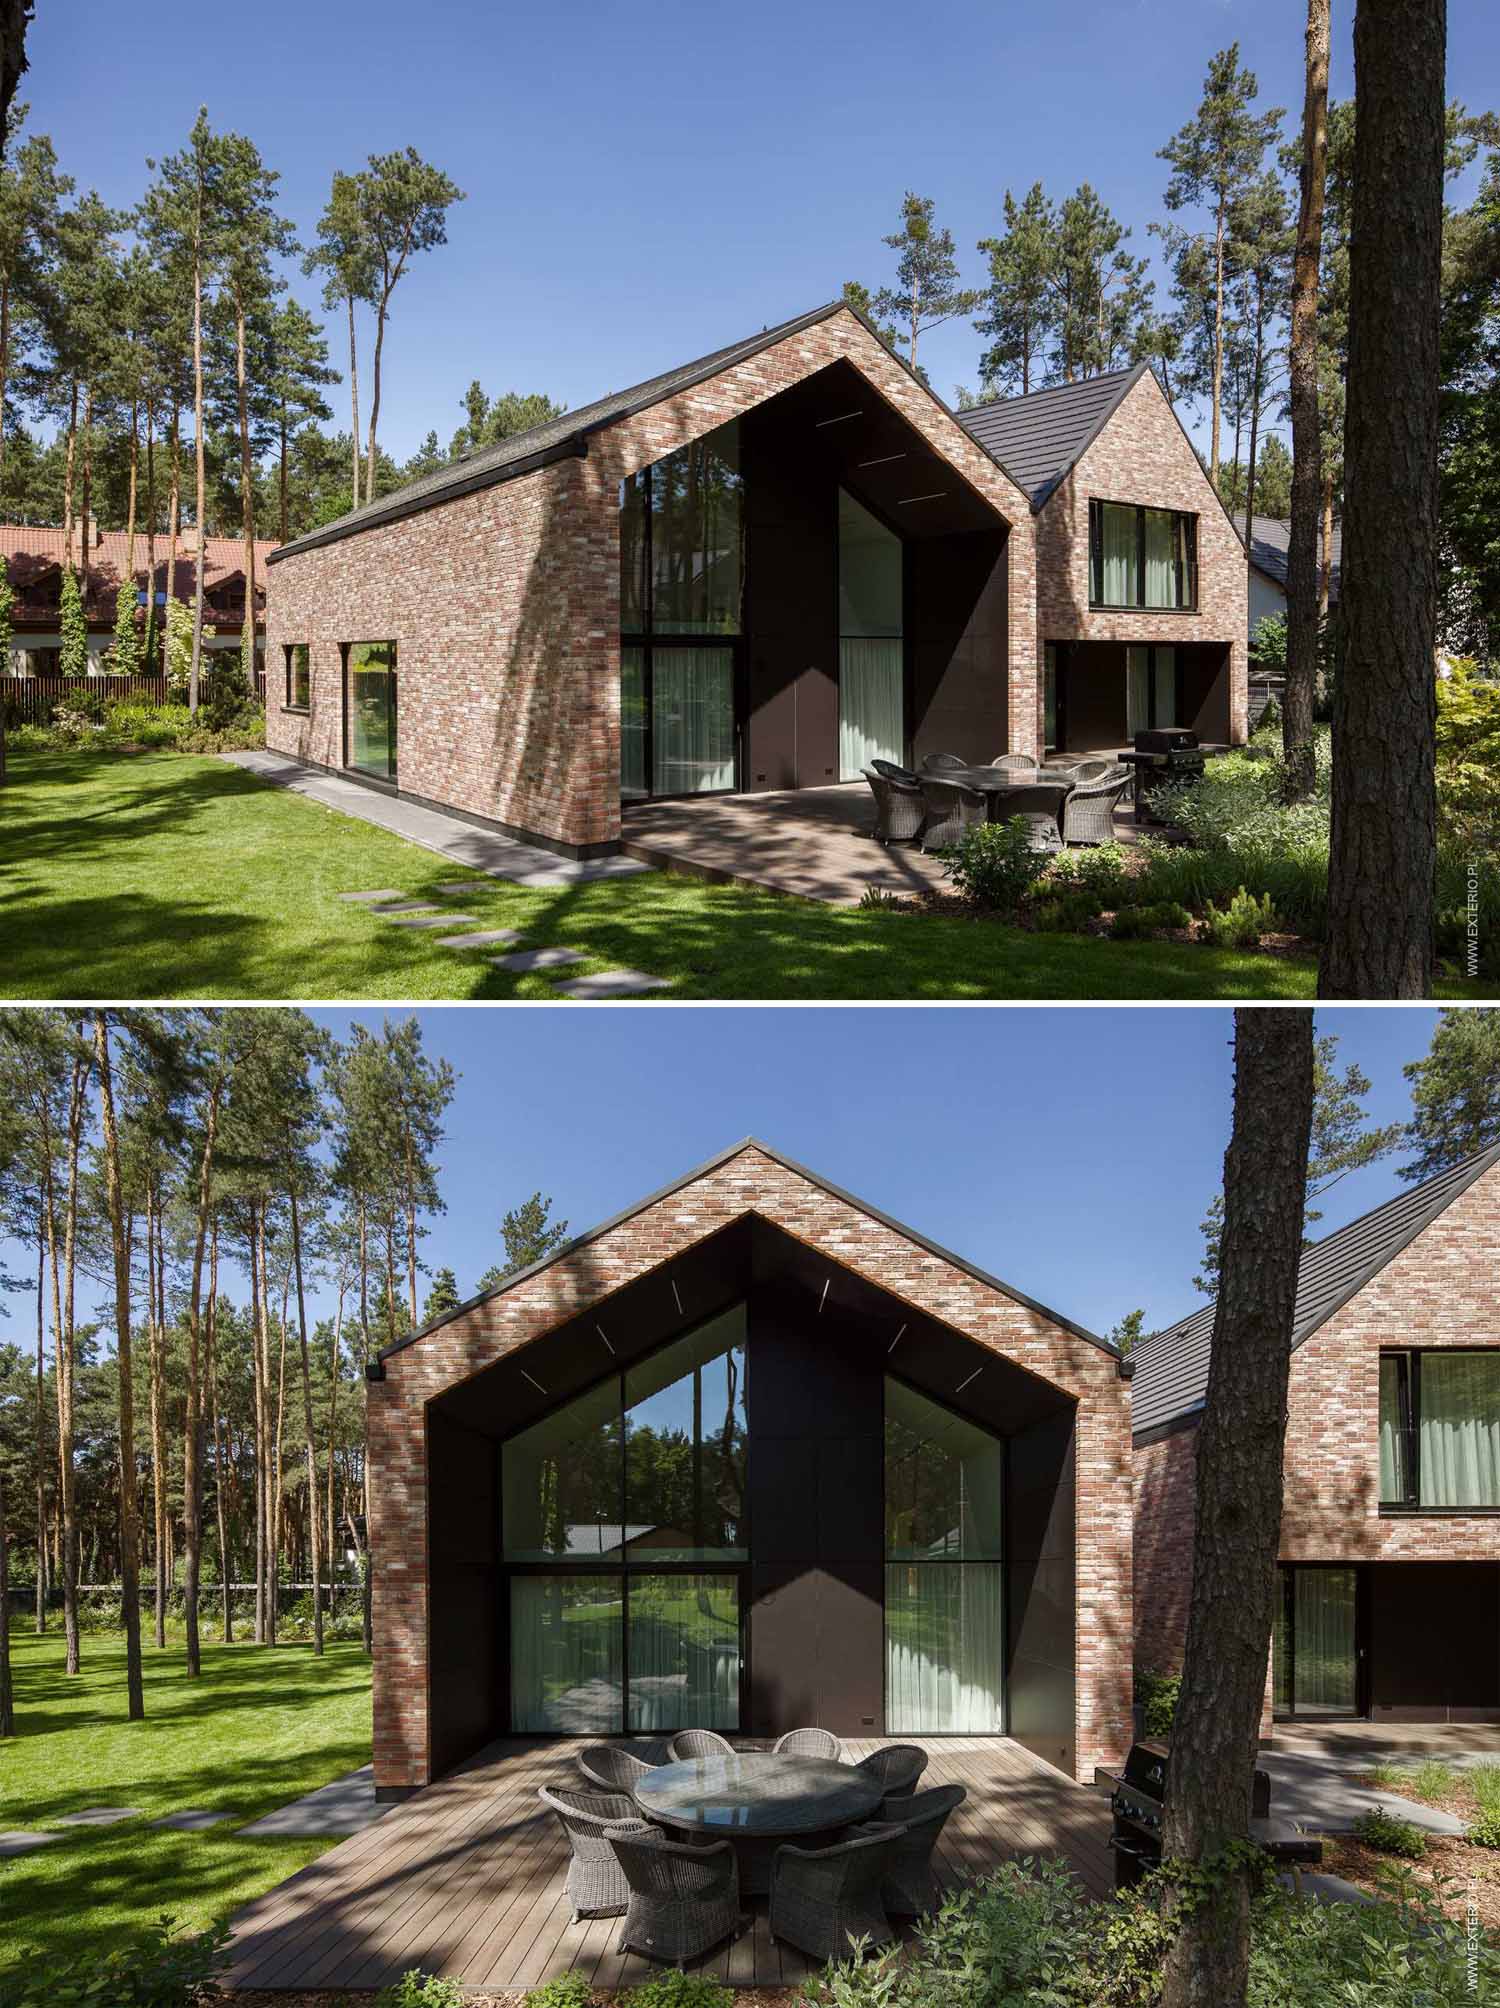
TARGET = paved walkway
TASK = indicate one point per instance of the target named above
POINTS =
(347, 1806)
(1318, 1791)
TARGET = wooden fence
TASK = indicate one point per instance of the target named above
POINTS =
(31, 700)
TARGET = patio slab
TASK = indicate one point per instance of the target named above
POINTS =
(372, 898)
(537, 958)
(193, 1821)
(612, 983)
(347, 1806)
(98, 1816)
(485, 939)
(1318, 1791)
(18, 1843)
(429, 919)
(405, 906)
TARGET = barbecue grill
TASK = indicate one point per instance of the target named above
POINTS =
(1137, 1799)
(1163, 753)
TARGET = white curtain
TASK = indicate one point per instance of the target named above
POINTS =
(870, 720)
(1324, 1641)
(1459, 1429)
(693, 719)
(944, 1649)
(565, 1638)
(632, 721)
(1121, 586)
(1161, 558)
(1164, 686)
(1137, 690)
(1393, 1466)
(684, 1653)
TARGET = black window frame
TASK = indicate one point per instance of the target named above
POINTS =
(1409, 1360)
(346, 648)
(289, 702)
(1184, 563)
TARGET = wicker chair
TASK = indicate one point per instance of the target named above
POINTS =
(910, 1887)
(809, 1743)
(1042, 833)
(1086, 772)
(899, 808)
(681, 1900)
(895, 1768)
(943, 763)
(690, 1743)
(824, 1899)
(612, 1770)
(888, 770)
(1088, 812)
(1018, 763)
(950, 811)
(596, 1884)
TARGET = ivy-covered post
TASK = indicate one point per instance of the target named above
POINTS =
(7, 601)
(74, 629)
(123, 657)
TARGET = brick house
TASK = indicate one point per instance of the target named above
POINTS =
(890, 1494)
(34, 557)
(755, 572)
(1141, 574)
(1390, 1543)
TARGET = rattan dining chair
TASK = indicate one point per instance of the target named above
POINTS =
(1021, 763)
(943, 763)
(612, 1769)
(910, 1886)
(809, 1743)
(681, 1900)
(824, 1900)
(895, 1767)
(951, 809)
(1088, 813)
(690, 1743)
(899, 808)
(596, 1884)
(891, 770)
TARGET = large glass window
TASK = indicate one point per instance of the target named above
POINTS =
(622, 1515)
(1440, 1430)
(1316, 1662)
(692, 720)
(944, 1579)
(1144, 558)
(298, 676)
(1150, 686)
(871, 653)
(372, 708)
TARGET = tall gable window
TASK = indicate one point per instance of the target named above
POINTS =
(1440, 1430)
(1145, 558)
(298, 676)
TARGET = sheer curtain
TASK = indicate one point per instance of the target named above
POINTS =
(565, 1661)
(684, 1652)
(1120, 581)
(1164, 685)
(944, 1649)
(1324, 1642)
(1459, 1429)
(1137, 690)
(632, 721)
(1393, 1475)
(693, 719)
(1161, 558)
(870, 723)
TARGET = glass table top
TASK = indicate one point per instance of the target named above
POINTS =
(756, 1793)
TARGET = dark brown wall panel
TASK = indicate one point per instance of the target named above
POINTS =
(1205, 692)
(464, 1670)
(958, 649)
(1093, 694)
(1041, 1590)
(1435, 1640)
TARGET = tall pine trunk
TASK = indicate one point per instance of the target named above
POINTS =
(1237, 1509)
(277, 1470)
(1304, 602)
(127, 584)
(174, 522)
(200, 470)
(192, 1427)
(64, 1347)
(70, 455)
(211, 1371)
(156, 1335)
(258, 1375)
(149, 640)
(354, 407)
(1384, 830)
(39, 1455)
(129, 1572)
(247, 497)
(1218, 385)
(1325, 542)
(313, 1542)
(370, 450)
(86, 513)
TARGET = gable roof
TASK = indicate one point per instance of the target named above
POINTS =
(1267, 544)
(566, 436)
(1040, 437)
(376, 1371)
(33, 552)
(1171, 1366)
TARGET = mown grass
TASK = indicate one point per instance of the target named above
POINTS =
(161, 875)
(257, 1729)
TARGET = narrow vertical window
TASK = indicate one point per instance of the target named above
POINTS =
(298, 676)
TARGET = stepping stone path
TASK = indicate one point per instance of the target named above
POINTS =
(22, 1844)
(192, 1822)
(99, 1816)
(347, 1806)
(423, 914)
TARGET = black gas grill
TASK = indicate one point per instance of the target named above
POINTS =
(1137, 1798)
(1163, 753)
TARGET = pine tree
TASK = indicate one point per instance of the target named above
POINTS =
(442, 1297)
(1019, 307)
(528, 1235)
(345, 255)
(73, 657)
(926, 291)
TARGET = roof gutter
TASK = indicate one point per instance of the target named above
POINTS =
(574, 447)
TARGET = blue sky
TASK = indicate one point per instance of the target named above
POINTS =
(1070, 1151)
(647, 183)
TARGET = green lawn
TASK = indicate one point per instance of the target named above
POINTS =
(260, 1727)
(164, 876)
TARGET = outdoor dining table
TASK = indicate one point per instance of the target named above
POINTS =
(997, 792)
(757, 1801)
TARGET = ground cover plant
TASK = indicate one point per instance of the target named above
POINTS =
(162, 875)
(262, 1726)
(1459, 1869)
(227, 719)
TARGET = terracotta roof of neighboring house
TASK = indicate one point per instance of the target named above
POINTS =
(31, 553)
(1039, 437)
(1171, 1366)
(566, 436)
(1269, 536)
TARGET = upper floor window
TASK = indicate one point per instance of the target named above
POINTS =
(1440, 1429)
(298, 676)
(1142, 557)
(681, 540)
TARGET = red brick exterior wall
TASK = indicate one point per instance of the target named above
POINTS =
(505, 607)
(1143, 455)
(1438, 1292)
(750, 1181)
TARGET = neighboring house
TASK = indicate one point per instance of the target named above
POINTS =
(1267, 545)
(1390, 1541)
(755, 572)
(910, 1484)
(1140, 571)
(34, 565)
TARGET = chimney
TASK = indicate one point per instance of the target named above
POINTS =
(189, 539)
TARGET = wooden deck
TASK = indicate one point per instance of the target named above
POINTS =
(466, 1879)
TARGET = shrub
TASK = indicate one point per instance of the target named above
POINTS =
(568, 1990)
(1157, 1694)
(1389, 1836)
(1242, 922)
(420, 1990)
(1432, 1779)
(1131, 923)
(994, 864)
(1484, 1782)
(1098, 874)
(875, 899)
(674, 1989)
(1069, 915)
(147, 1968)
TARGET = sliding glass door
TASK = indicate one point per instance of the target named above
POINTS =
(370, 709)
(872, 655)
(692, 720)
(1317, 1644)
